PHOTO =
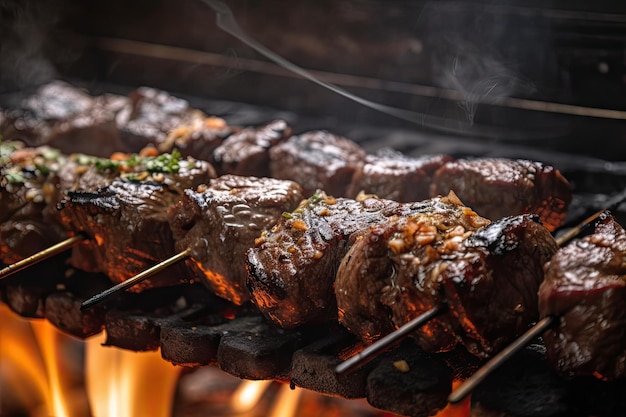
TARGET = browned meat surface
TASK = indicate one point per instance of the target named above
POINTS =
(317, 160)
(391, 175)
(157, 118)
(126, 220)
(402, 252)
(66, 118)
(487, 275)
(24, 173)
(496, 188)
(246, 153)
(292, 267)
(585, 285)
(221, 221)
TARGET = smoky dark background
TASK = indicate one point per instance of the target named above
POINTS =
(516, 75)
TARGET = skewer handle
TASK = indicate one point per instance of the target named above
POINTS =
(373, 350)
(471, 383)
(40, 256)
(98, 298)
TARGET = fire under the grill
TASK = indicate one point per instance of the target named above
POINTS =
(192, 327)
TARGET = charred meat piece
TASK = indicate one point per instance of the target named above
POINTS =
(65, 117)
(292, 267)
(487, 275)
(221, 221)
(154, 117)
(126, 219)
(585, 285)
(497, 188)
(246, 153)
(24, 194)
(403, 251)
(317, 160)
(394, 176)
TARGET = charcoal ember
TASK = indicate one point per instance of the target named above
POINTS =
(258, 350)
(136, 319)
(526, 387)
(593, 397)
(409, 382)
(390, 174)
(246, 152)
(317, 160)
(62, 307)
(25, 292)
(221, 221)
(313, 366)
(497, 188)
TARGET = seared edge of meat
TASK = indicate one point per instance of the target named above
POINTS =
(585, 286)
(220, 222)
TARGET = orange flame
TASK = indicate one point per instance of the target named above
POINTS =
(30, 363)
(124, 383)
(462, 409)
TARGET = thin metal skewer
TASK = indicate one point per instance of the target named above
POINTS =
(471, 383)
(41, 255)
(98, 298)
(389, 340)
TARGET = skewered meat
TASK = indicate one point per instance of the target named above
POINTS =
(64, 117)
(126, 219)
(221, 221)
(317, 160)
(394, 176)
(24, 173)
(585, 286)
(497, 188)
(486, 274)
(246, 153)
(292, 267)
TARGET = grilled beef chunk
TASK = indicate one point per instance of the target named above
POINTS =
(222, 220)
(247, 152)
(292, 267)
(157, 118)
(585, 285)
(24, 173)
(317, 160)
(126, 219)
(394, 176)
(487, 275)
(66, 118)
(496, 188)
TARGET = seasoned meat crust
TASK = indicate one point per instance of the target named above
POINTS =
(292, 267)
(24, 194)
(317, 160)
(126, 219)
(497, 188)
(394, 176)
(585, 285)
(487, 274)
(221, 221)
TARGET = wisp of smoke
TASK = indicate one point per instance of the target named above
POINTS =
(227, 22)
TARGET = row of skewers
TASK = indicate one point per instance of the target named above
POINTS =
(311, 259)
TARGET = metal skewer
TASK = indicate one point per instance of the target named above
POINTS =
(373, 350)
(98, 298)
(41, 255)
(470, 384)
